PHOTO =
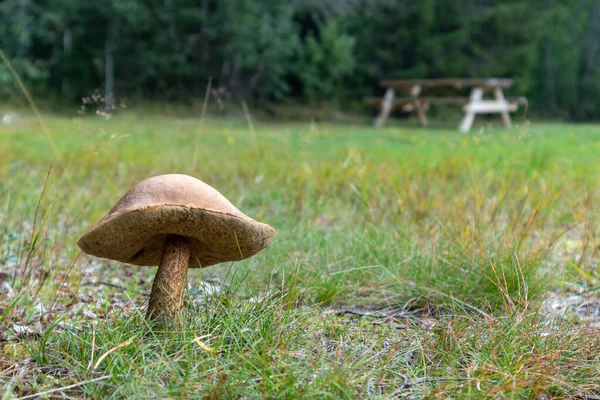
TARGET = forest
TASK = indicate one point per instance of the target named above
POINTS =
(302, 51)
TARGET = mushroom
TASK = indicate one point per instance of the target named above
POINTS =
(176, 222)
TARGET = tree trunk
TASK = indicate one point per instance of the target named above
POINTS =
(172, 26)
(550, 80)
(67, 48)
(590, 56)
(24, 17)
(109, 71)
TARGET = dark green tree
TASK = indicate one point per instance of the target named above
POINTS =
(267, 50)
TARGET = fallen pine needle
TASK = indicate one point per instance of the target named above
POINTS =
(31, 396)
(103, 356)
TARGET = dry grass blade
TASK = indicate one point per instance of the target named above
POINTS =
(103, 356)
(205, 347)
(93, 347)
(40, 394)
(35, 232)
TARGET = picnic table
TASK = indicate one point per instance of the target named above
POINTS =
(423, 92)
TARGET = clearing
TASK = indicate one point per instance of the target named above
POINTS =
(408, 262)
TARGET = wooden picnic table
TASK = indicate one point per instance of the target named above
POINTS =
(421, 94)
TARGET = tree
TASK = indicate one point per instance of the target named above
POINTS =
(23, 35)
(324, 61)
(410, 39)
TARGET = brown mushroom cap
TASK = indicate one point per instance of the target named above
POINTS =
(135, 229)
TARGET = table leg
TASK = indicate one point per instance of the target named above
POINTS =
(420, 108)
(505, 115)
(475, 97)
(386, 108)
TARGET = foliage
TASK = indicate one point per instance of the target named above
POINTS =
(325, 62)
(268, 50)
(259, 42)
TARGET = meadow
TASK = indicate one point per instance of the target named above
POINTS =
(407, 263)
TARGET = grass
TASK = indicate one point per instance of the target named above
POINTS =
(408, 262)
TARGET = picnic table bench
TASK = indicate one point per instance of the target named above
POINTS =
(421, 94)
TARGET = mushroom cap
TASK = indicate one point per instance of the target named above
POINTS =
(134, 231)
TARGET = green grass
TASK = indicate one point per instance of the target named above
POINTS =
(466, 233)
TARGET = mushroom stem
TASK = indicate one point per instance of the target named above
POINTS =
(166, 297)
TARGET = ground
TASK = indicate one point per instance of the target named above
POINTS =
(407, 263)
